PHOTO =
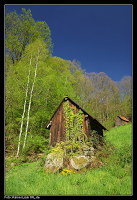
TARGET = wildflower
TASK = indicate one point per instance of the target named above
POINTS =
(67, 171)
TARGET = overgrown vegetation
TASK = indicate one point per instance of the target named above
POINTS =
(75, 137)
(114, 177)
(73, 124)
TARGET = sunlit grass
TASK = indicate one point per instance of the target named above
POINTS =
(113, 178)
(31, 181)
(120, 135)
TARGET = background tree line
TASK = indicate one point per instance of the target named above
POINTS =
(36, 82)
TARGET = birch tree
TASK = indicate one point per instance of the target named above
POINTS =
(26, 132)
(37, 49)
(33, 51)
(24, 109)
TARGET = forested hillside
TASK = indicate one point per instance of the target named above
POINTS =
(36, 82)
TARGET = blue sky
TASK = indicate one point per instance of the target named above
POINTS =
(98, 36)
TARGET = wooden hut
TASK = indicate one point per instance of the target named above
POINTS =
(121, 120)
(56, 124)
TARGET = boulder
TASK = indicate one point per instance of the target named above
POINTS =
(54, 162)
(79, 162)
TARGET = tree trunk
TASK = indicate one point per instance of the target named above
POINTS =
(26, 132)
(23, 111)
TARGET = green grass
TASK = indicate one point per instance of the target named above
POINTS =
(120, 135)
(114, 178)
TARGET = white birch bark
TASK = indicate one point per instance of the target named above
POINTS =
(26, 132)
(24, 109)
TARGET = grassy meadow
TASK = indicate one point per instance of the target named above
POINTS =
(113, 178)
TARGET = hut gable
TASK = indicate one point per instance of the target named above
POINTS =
(57, 127)
(121, 120)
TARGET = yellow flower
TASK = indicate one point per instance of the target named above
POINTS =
(67, 171)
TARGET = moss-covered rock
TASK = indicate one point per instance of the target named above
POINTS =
(79, 162)
(54, 162)
(58, 160)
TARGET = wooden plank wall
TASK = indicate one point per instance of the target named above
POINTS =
(86, 126)
(57, 128)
